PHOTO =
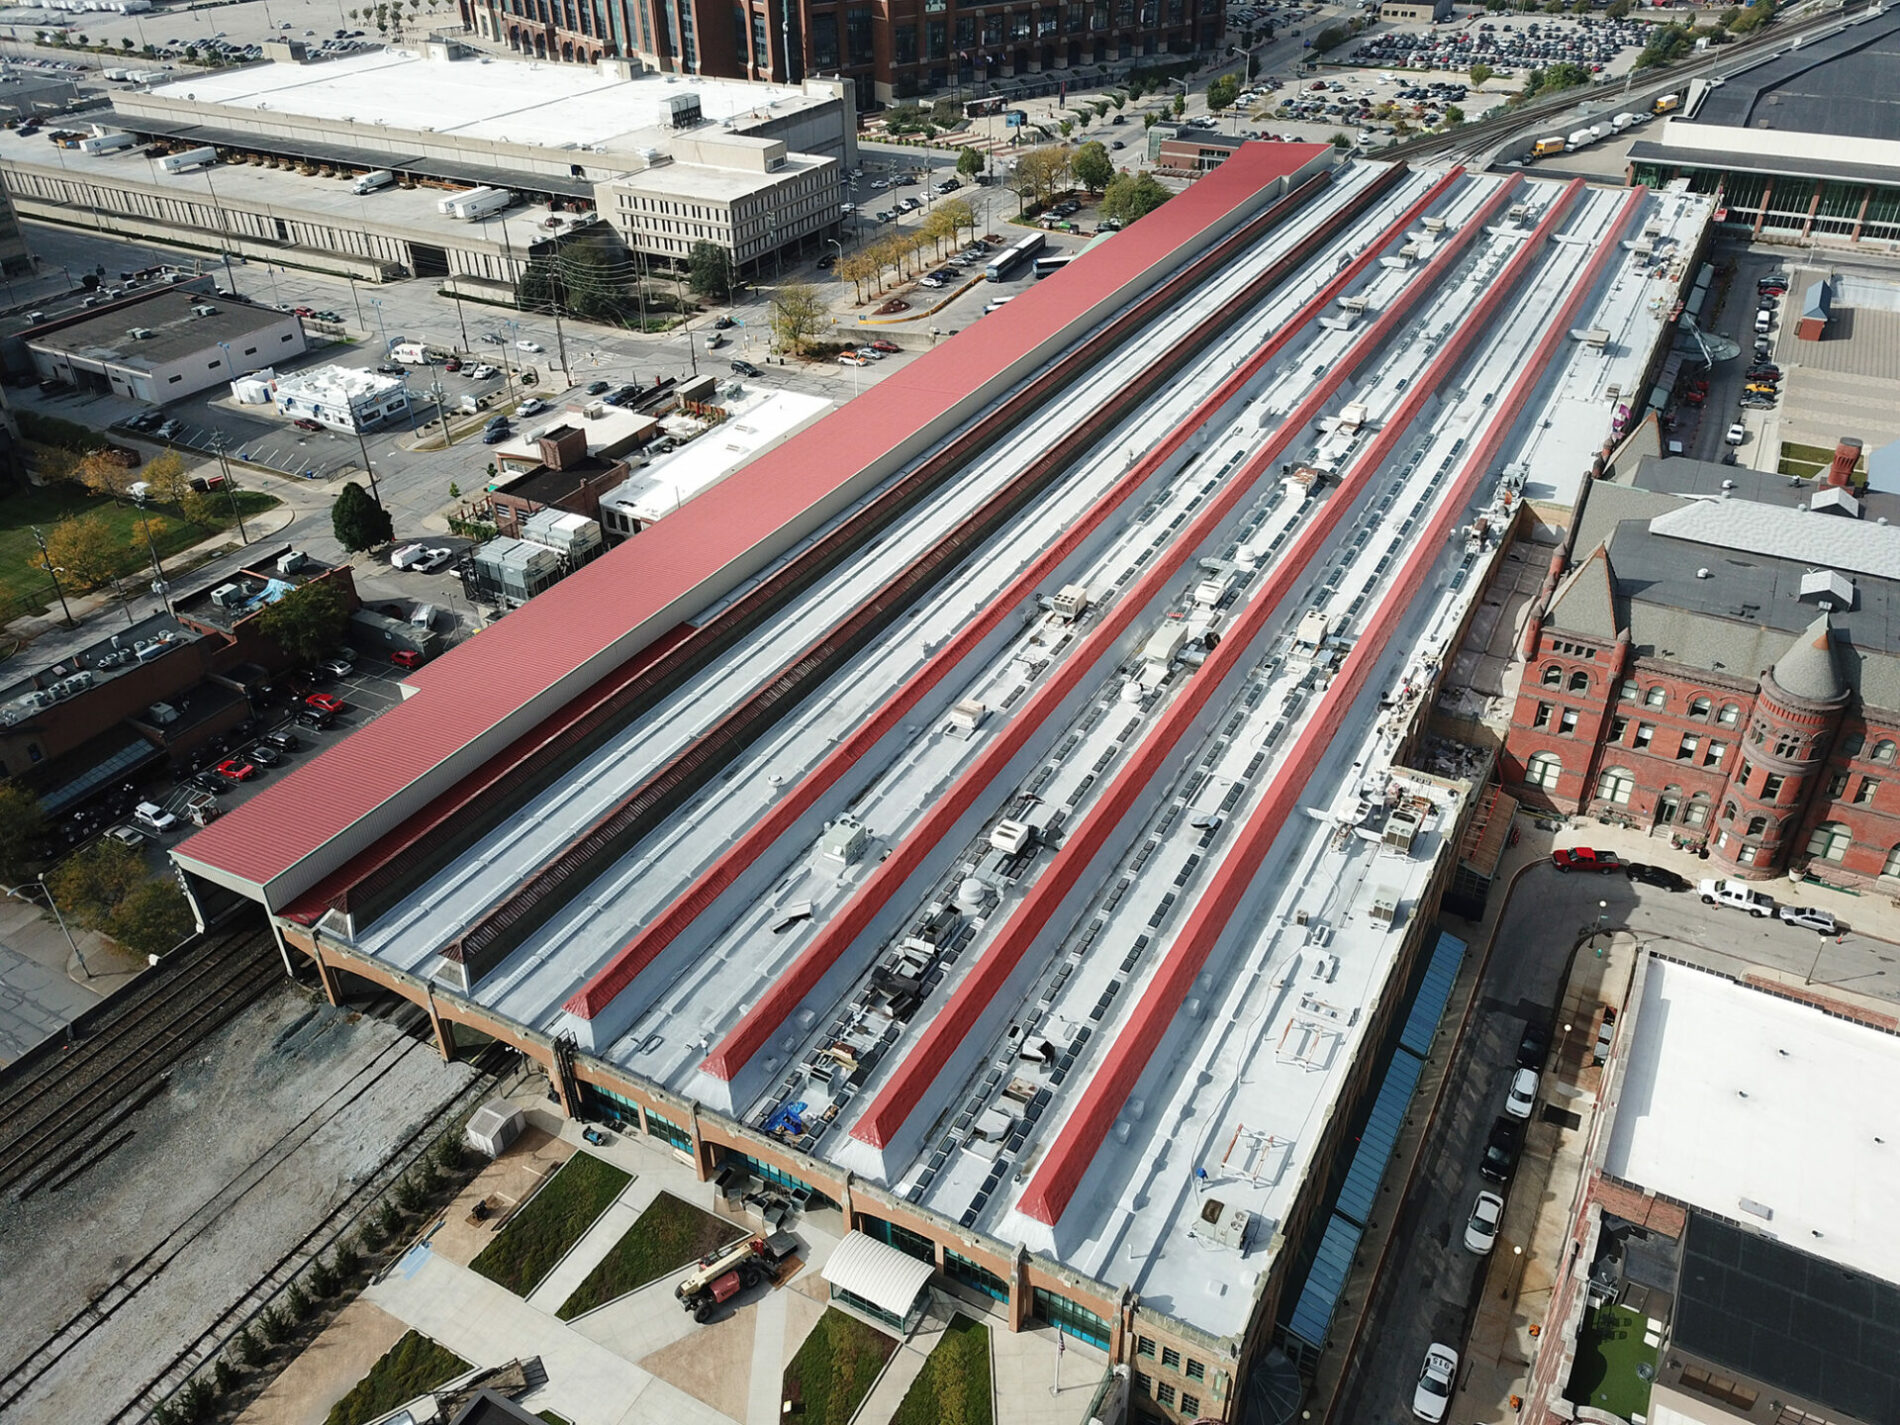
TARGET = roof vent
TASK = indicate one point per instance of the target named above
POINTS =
(1702, 573)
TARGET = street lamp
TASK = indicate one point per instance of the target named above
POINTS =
(381, 330)
(158, 570)
(53, 571)
(1603, 926)
(230, 485)
(53, 906)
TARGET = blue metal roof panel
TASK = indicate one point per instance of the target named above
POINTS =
(1319, 1298)
(1429, 1007)
(1379, 1137)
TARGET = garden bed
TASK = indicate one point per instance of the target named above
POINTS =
(411, 1367)
(554, 1219)
(835, 1369)
(667, 1236)
(954, 1386)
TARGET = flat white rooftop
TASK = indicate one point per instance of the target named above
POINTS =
(555, 105)
(1763, 1110)
(759, 419)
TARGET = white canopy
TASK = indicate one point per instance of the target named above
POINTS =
(881, 1275)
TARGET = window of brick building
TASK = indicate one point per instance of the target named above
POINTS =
(1686, 752)
(1543, 716)
(1837, 784)
(1852, 744)
(1788, 745)
(1543, 770)
(1829, 842)
(1145, 1346)
(1771, 786)
(1171, 1358)
(1883, 751)
(1553, 676)
(1568, 722)
(1628, 692)
(1892, 868)
(1656, 697)
(1190, 1405)
(1697, 812)
(1615, 785)
(1579, 682)
(1165, 1394)
(1195, 1371)
(1757, 825)
(1864, 793)
(1717, 751)
(1618, 726)
(1730, 715)
(1644, 732)
(1699, 707)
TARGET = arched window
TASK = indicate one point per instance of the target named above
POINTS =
(1757, 825)
(1579, 681)
(1853, 743)
(1883, 751)
(1655, 698)
(1553, 676)
(1730, 715)
(1728, 811)
(1699, 707)
(1697, 812)
(1615, 785)
(1543, 770)
(1830, 842)
(1628, 691)
(1892, 868)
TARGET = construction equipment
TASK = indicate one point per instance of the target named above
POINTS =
(722, 1275)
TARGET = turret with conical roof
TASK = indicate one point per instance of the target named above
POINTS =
(1808, 670)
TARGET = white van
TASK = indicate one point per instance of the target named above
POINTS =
(1763, 321)
(423, 617)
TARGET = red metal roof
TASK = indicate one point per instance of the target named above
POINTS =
(477, 685)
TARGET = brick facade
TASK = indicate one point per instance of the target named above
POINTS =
(1767, 778)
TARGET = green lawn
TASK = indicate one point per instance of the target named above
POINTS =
(555, 1219)
(413, 1365)
(668, 1235)
(836, 1367)
(27, 589)
(552, 1418)
(954, 1386)
(1610, 1351)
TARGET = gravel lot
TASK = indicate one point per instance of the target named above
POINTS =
(249, 1147)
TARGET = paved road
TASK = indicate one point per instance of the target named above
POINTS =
(1431, 1284)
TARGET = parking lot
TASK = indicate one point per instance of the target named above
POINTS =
(1510, 46)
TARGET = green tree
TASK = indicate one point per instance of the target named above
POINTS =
(1092, 165)
(1480, 73)
(1454, 116)
(309, 621)
(1067, 126)
(83, 546)
(21, 825)
(1180, 105)
(709, 271)
(798, 314)
(153, 918)
(126, 43)
(1342, 140)
(91, 884)
(1041, 173)
(359, 522)
(1130, 196)
(1619, 9)
(1150, 119)
(1222, 93)
(969, 163)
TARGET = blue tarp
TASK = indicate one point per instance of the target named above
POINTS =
(1429, 1007)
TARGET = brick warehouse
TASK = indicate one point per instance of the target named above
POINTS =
(1722, 665)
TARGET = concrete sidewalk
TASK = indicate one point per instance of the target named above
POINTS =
(43, 984)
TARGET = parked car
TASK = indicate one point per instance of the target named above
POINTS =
(1582, 858)
(1737, 433)
(526, 345)
(1532, 1048)
(431, 561)
(885, 346)
(1501, 1150)
(154, 817)
(454, 363)
(484, 372)
(1431, 1398)
(406, 658)
(494, 435)
(326, 703)
(127, 835)
(1660, 877)
(235, 769)
(1521, 1099)
(283, 739)
(745, 368)
(264, 755)
(599, 388)
(533, 406)
(1808, 918)
(337, 667)
(1481, 1228)
(851, 358)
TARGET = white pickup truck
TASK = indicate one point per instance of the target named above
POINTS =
(1737, 895)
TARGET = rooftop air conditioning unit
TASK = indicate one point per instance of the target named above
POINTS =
(228, 596)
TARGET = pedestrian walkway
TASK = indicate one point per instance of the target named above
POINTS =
(44, 986)
(568, 1273)
(768, 1359)
(903, 1368)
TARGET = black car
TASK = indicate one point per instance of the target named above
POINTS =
(208, 782)
(314, 719)
(1660, 877)
(264, 755)
(599, 388)
(284, 740)
(745, 368)
(721, 323)
(1532, 1048)
(1501, 1149)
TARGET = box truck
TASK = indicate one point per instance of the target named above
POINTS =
(191, 158)
(370, 182)
(1544, 148)
(1665, 102)
(410, 353)
(1623, 121)
(105, 143)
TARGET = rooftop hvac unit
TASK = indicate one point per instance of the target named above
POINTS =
(844, 840)
(1071, 601)
(141, 333)
(1436, 224)
(967, 716)
(227, 596)
(1010, 836)
(204, 309)
(1229, 1226)
(1401, 830)
(1385, 905)
(291, 560)
(162, 714)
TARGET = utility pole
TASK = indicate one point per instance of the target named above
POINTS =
(46, 562)
(368, 468)
(230, 487)
(158, 569)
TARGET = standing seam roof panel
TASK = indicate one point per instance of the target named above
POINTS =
(480, 683)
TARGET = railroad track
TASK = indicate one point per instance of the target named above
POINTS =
(64, 1109)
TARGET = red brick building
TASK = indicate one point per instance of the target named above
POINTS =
(1704, 672)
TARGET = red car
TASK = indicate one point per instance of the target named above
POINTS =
(1582, 858)
(306, 311)
(406, 658)
(235, 769)
(325, 703)
(452, 364)
(305, 423)
(886, 346)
